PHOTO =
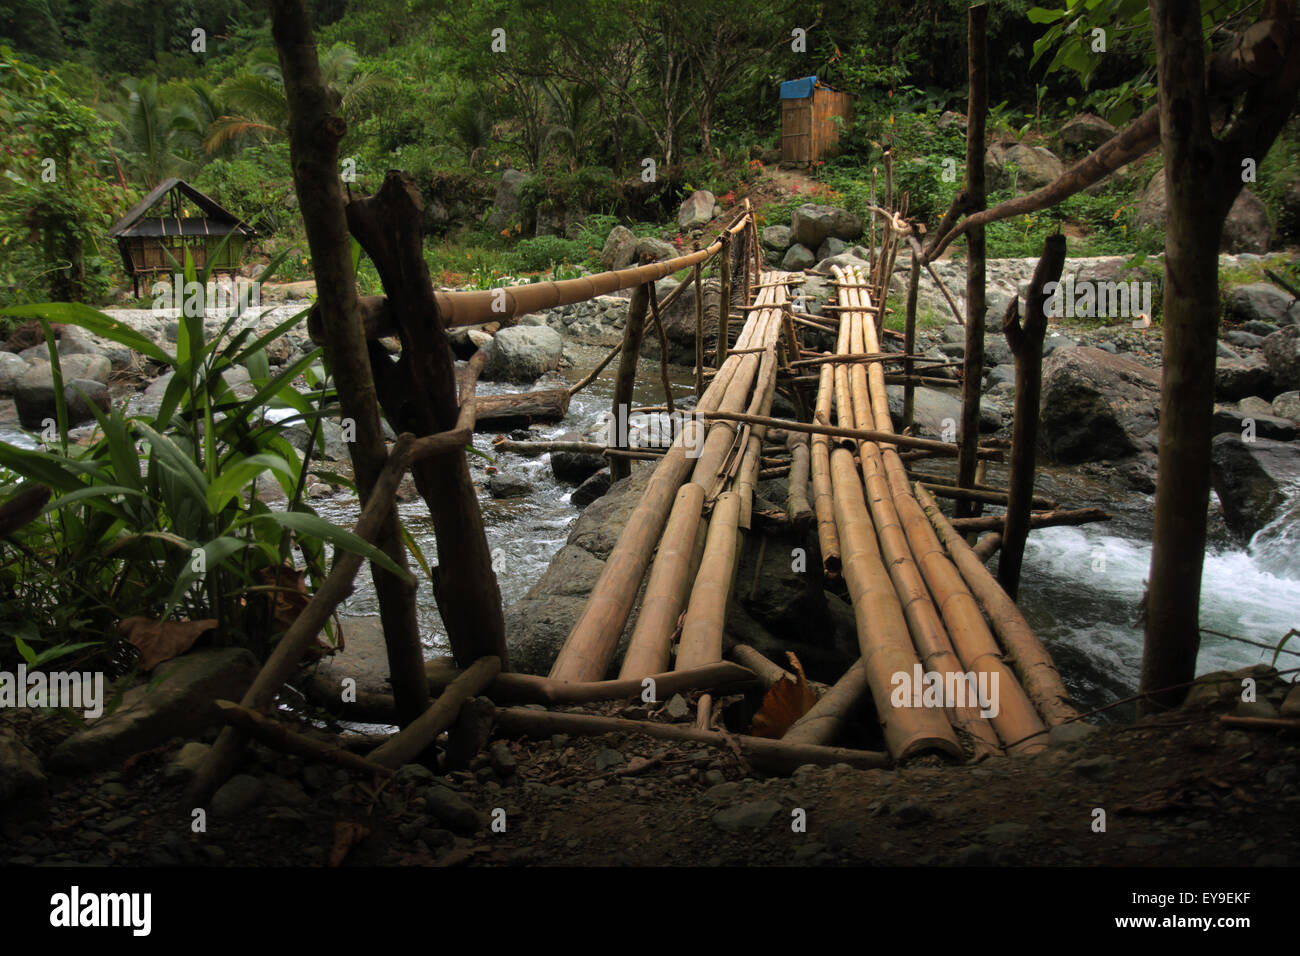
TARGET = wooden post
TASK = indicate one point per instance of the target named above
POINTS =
(699, 333)
(420, 397)
(625, 380)
(909, 335)
(724, 301)
(314, 135)
(974, 358)
(663, 355)
(1026, 343)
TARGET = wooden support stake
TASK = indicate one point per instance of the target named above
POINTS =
(274, 734)
(404, 747)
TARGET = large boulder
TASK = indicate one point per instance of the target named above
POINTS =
(777, 238)
(651, 249)
(523, 353)
(1238, 378)
(12, 368)
(1253, 479)
(21, 775)
(1245, 230)
(505, 207)
(1097, 405)
(364, 659)
(34, 397)
(538, 623)
(1262, 302)
(178, 701)
(618, 249)
(811, 225)
(1282, 352)
(1035, 166)
(679, 321)
(797, 258)
(1083, 134)
(697, 209)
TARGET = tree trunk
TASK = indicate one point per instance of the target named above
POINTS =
(1026, 343)
(974, 358)
(421, 398)
(315, 130)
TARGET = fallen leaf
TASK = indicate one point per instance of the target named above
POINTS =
(784, 703)
(160, 641)
(346, 835)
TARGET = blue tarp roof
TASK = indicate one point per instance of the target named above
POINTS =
(798, 89)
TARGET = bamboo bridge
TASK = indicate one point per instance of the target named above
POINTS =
(921, 596)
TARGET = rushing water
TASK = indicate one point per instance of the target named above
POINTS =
(1081, 587)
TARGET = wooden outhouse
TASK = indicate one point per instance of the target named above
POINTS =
(809, 130)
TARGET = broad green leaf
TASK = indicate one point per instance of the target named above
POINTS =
(318, 527)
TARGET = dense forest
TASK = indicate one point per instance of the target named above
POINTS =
(579, 94)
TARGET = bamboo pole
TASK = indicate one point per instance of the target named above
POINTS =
(699, 333)
(927, 630)
(987, 546)
(797, 507)
(724, 301)
(1032, 662)
(722, 678)
(882, 629)
(979, 494)
(828, 539)
(591, 643)
(1044, 519)
(823, 723)
(836, 431)
(666, 591)
(706, 614)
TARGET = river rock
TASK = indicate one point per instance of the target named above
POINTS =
(178, 701)
(747, 816)
(1253, 479)
(507, 485)
(1242, 377)
(797, 258)
(831, 247)
(618, 248)
(777, 238)
(236, 796)
(1097, 406)
(1083, 134)
(523, 353)
(696, 210)
(573, 466)
(21, 776)
(451, 809)
(1036, 166)
(591, 489)
(1264, 424)
(1245, 230)
(34, 397)
(1262, 302)
(651, 249)
(811, 224)
(363, 659)
(505, 207)
(679, 321)
(538, 623)
(12, 368)
(1282, 352)
(1287, 405)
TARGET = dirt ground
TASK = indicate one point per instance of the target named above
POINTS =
(1179, 789)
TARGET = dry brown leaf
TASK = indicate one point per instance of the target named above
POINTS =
(346, 835)
(160, 641)
(784, 703)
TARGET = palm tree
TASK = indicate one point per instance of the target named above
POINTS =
(255, 100)
(158, 140)
(573, 119)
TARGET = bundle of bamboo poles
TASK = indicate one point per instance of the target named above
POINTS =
(943, 618)
(702, 462)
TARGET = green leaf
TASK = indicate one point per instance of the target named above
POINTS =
(179, 463)
(234, 478)
(318, 527)
(1041, 15)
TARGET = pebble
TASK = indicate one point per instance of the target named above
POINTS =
(608, 758)
(239, 793)
(1101, 767)
(503, 759)
(677, 708)
(746, 816)
(118, 825)
(451, 809)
